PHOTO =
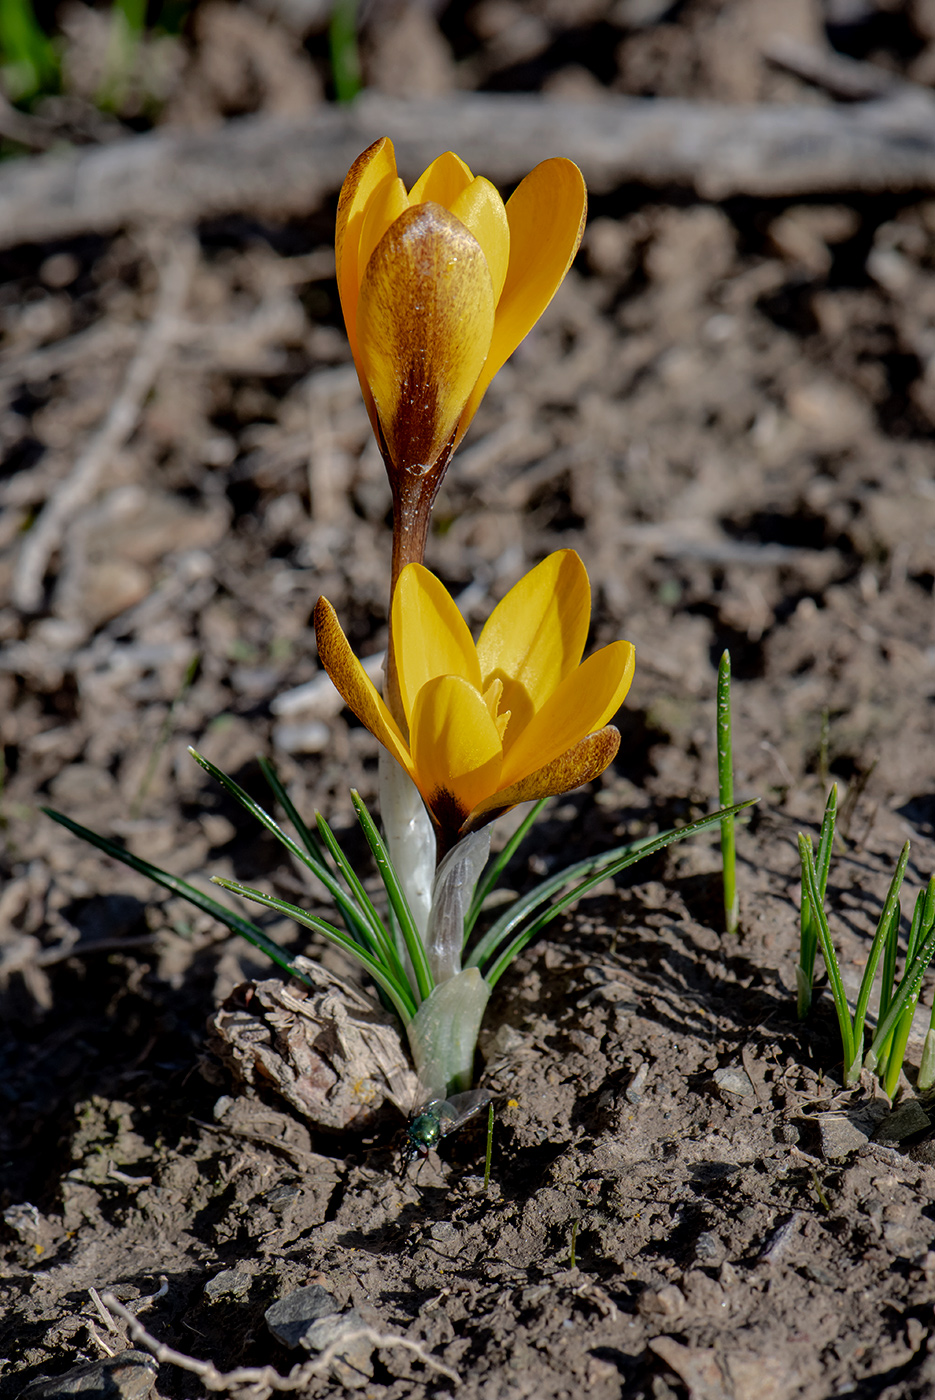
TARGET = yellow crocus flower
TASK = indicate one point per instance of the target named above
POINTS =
(439, 285)
(519, 716)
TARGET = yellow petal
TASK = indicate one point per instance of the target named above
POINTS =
(582, 704)
(354, 685)
(444, 180)
(578, 765)
(546, 214)
(369, 171)
(481, 210)
(455, 749)
(535, 636)
(387, 202)
(430, 637)
(424, 321)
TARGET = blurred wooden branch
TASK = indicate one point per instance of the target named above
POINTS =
(271, 168)
(847, 79)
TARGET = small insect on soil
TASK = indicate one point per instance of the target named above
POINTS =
(436, 1119)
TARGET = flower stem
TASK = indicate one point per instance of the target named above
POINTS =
(414, 490)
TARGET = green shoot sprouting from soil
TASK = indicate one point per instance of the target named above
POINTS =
(29, 62)
(489, 1152)
(808, 926)
(897, 998)
(725, 776)
(345, 55)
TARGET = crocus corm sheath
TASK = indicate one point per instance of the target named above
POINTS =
(518, 716)
(438, 287)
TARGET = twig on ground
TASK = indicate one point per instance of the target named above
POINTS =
(848, 79)
(104, 1315)
(99, 1340)
(80, 486)
(267, 1377)
(272, 168)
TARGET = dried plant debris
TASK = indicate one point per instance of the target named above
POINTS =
(326, 1049)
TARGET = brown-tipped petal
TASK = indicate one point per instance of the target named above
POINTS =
(375, 165)
(424, 322)
(582, 704)
(386, 204)
(586, 760)
(354, 685)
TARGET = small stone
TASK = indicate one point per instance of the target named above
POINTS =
(667, 1302)
(910, 1117)
(24, 1220)
(289, 1318)
(129, 1375)
(709, 1247)
(634, 1090)
(842, 1133)
(310, 1318)
(733, 1080)
(229, 1283)
(352, 1365)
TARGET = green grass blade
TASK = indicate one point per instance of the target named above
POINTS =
(908, 987)
(606, 872)
(888, 926)
(499, 865)
(725, 775)
(894, 1054)
(396, 897)
(522, 907)
(345, 56)
(810, 881)
(927, 1068)
(376, 934)
(398, 993)
(808, 932)
(306, 835)
(826, 839)
(888, 973)
(235, 922)
(352, 916)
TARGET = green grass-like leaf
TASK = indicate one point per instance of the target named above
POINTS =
(659, 843)
(397, 990)
(354, 918)
(810, 885)
(235, 922)
(725, 774)
(808, 931)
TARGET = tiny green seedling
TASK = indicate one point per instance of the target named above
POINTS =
(808, 926)
(725, 773)
(897, 998)
(345, 55)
